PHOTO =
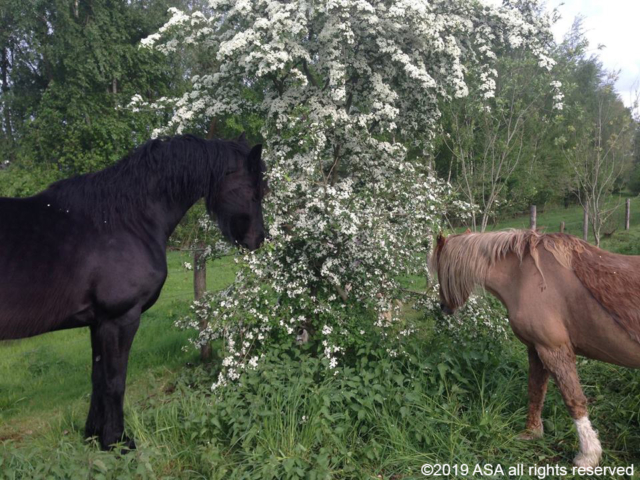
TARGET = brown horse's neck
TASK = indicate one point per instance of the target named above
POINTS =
(502, 279)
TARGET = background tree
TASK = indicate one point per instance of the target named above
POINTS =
(20, 64)
(68, 68)
(602, 154)
(509, 151)
(634, 182)
(596, 130)
(487, 137)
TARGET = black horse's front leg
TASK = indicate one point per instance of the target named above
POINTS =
(111, 341)
(95, 420)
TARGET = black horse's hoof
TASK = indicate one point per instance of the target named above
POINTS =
(93, 440)
(128, 444)
(125, 444)
(91, 431)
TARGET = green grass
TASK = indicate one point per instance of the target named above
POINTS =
(380, 418)
(47, 376)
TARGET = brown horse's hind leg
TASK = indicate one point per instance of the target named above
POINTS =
(561, 362)
(538, 379)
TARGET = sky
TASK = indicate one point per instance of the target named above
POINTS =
(615, 24)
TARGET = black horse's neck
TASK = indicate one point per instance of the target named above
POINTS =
(153, 187)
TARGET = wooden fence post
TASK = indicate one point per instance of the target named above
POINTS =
(199, 287)
(561, 227)
(627, 214)
(585, 224)
(533, 218)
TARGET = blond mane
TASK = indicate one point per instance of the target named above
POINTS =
(463, 261)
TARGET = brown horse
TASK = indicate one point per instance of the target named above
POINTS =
(564, 298)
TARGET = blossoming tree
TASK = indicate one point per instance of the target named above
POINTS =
(349, 92)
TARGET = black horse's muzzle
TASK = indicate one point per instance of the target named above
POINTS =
(445, 309)
(253, 243)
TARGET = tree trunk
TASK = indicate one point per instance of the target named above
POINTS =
(533, 218)
(213, 128)
(627, 215)
(596, 236)
(199, 287)
(485, 222)
(4, 72)
(473, 221)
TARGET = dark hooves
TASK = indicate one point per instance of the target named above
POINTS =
(128, 444)
(125, 445)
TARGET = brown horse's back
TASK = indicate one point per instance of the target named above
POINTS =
(614, 281)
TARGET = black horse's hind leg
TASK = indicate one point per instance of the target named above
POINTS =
(111, 342)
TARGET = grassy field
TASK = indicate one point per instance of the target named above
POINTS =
(380, 419)
(47, 377)
(549, 219)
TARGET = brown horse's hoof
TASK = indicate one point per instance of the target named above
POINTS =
(531, 434)
(588, 459)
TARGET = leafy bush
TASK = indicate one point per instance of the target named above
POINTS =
(68, 461)
(292, 417)
(481, 317)
(26, 178)
(634, 180)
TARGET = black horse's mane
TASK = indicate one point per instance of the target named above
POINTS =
(178, 169)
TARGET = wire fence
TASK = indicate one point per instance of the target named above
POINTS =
(619, 218)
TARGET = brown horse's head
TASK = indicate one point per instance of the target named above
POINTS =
(450, 300)
(440, 243)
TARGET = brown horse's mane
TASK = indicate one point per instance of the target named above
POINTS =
(462, 263)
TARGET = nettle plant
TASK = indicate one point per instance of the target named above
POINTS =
(482, 316)
(348, 91)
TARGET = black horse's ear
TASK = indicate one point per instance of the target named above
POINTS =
(254, 159)
(441, 239)
(242, 138)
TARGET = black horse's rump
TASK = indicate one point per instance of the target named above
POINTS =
(90, 250)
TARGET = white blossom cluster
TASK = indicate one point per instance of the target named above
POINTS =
(348, 90)
(558, 96)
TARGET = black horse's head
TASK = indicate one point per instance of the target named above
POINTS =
(238, 203)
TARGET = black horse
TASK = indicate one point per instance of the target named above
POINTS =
(90, 251)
